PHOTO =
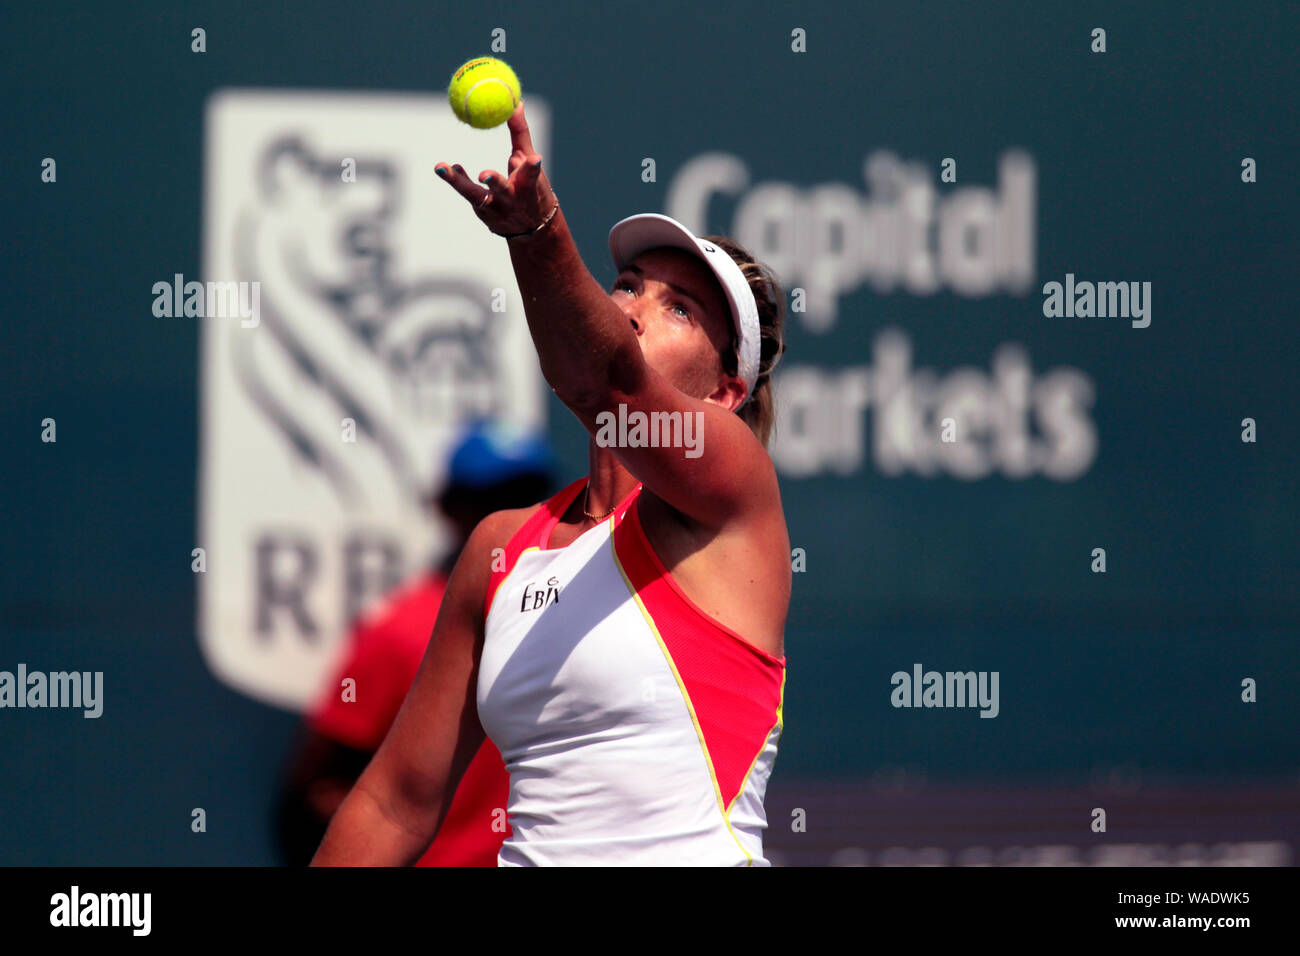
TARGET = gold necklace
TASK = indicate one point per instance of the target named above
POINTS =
(587, 496)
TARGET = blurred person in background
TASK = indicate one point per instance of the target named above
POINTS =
(493, 467)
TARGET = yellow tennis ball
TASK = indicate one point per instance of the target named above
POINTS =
(484, 92)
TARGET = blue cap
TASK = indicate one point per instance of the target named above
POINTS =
(491, 452)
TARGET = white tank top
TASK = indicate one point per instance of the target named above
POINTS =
(636, 729)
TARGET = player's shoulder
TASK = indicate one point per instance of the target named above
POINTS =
(473, 572)
(496, 530)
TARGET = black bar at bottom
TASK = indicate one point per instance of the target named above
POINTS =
(243, 905)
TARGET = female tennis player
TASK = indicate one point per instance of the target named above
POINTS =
(622, 642)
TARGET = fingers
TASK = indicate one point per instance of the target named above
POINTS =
(531, 164)
(460, 181)
(525, 167)
(528, 173)
(497, 186)
(493, 180)
(520, 137)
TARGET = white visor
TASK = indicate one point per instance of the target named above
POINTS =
(634, 235)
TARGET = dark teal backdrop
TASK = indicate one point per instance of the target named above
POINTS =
(1138, 155)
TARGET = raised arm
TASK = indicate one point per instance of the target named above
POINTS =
(395, 809)
(590, 356)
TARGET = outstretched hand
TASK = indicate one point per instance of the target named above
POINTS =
(507, 206)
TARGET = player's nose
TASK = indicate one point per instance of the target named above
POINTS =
(631, 317)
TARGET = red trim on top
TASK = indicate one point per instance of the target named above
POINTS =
(468, 836)
(626, 503)
(672, 582)
(733, 686)
(535, 532)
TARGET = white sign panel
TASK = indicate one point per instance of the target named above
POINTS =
(378, 316)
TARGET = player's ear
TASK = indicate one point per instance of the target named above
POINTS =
(730, 393)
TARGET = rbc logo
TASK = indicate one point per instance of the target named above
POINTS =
(536, 598)
(323, 428)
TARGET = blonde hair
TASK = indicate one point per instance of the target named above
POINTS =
(759, 413)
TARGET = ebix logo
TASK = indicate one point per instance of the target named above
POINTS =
(536, 598)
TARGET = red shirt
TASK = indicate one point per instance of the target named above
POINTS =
(386, 648)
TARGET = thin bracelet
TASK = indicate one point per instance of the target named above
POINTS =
(533, 232)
